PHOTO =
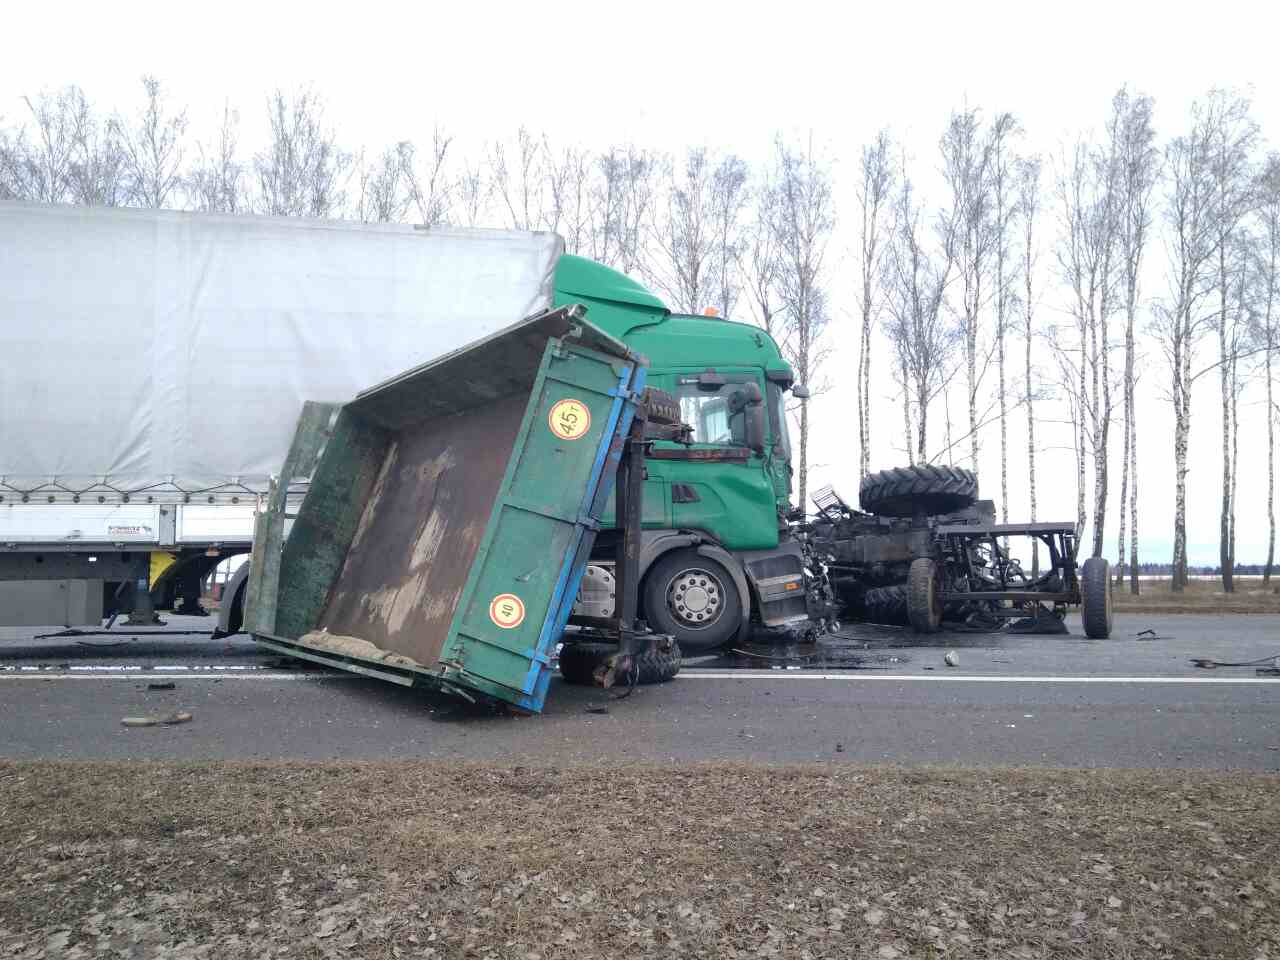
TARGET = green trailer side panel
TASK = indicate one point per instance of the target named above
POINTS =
(543, 502)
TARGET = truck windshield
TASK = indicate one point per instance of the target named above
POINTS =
(782, 439)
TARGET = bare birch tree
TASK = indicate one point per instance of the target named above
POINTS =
(683, 236)
(1266, 332)
(1003, 131)
(924, 340)
(569, 196)
(623, 197)
(1087, 258)
(874, 198)
(966, 160)
(154, 146)
(804, 219)
(44, 155)
(1233, 137)
(426, 176)
(216, 183)
(758, 263)
(303, 171)
(382, 194)
(1137, 161)
(99, 172)
(729, 196)
(472, 191)
(1028, 212)
(1181, 316)
(518, 179)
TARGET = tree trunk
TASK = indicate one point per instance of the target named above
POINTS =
(1181, 434)
(1224, 378)
(906, 415)
(863, 361)
(866, 400)
(1133, 504)
(1031, 439)
(1081, 516)
(1271, 467)
(1124, 492)
(804, 453)
(1004, 411)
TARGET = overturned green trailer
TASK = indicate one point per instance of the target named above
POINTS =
(450, 513)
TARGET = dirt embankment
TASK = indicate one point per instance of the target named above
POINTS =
(435, 860)
(1199, 596)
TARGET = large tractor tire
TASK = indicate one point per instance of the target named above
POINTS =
(578, 663)
(924, 600)
(1095, 597)
(920, 489)
(694, 599)
(887, 605)
(662, 406)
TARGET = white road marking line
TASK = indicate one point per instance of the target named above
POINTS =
(336, 675)
(903, 677)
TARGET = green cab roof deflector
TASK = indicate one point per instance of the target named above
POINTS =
(615, 302)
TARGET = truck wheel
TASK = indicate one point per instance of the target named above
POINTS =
(694, 599)
(1095, 598)
(886, 605)
(923, 488)
(924, 602)
(578, 662)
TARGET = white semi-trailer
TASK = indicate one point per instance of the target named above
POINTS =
(153, 365)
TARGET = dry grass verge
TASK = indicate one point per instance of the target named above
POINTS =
(421, 859)
(1200, 596)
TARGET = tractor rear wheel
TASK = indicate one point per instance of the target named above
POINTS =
(887, 605)
(922, 488)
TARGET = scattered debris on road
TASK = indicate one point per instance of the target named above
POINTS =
(168, 720)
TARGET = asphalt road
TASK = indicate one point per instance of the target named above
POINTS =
(875, 696)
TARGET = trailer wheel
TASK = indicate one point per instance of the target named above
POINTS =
(1095, 598)
(694, 599)
(924, 602)
(578, 663)
(923, 488)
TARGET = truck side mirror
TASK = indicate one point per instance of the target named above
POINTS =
(800, 391)
(755, 414)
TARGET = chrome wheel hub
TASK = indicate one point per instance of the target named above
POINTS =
(695, 598)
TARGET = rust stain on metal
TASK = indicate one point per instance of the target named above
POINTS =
(421, 529)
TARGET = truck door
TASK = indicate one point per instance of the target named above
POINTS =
(718, 484)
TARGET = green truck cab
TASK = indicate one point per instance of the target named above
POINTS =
(716, 553)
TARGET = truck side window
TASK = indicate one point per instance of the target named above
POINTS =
(716, 416)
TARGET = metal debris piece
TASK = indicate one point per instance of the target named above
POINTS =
(168, 720)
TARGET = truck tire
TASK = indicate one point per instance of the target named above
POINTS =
(662, 406)
(924, 600)
(1095, 598)
(923, 488)
(694, 599)
(887, 605)
(578, 662)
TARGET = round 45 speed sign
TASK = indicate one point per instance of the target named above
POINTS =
(569, 419)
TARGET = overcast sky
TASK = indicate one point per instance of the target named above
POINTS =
(727, 75)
